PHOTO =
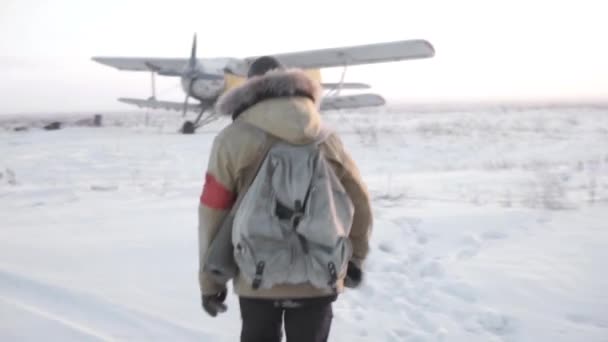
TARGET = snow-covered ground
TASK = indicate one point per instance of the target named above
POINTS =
(489, 226)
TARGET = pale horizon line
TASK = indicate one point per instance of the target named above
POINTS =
(393, 105)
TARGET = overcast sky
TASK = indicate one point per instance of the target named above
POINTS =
(485, 50)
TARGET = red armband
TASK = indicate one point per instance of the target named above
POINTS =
(215, 195)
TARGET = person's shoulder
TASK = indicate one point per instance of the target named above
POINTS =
(334, 147)
(236, 132)
(331, 134)
(333, 137)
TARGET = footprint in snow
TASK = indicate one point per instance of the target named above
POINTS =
(468, 253)
(460, 290)
(359, 314)
(432, 269)
(363, 332)
(401, 335)
(583, 319)
(98, 187)
(471, 246)
(407, 222)
(496, 323)
(414, 337)
(386, 247)
(494, 235)
(415, 255)
(421, 237)
(395, 266)
(471, 240)
(420, 319)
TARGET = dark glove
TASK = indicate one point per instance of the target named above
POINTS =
(354, 275)
(214, 304)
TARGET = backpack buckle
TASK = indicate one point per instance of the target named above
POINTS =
(294, 216)
(295, 219)
(257, 279)
(333, 276)
(297, 214)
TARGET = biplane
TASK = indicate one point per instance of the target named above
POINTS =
(206, 79)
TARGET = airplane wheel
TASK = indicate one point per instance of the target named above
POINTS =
(188, 127)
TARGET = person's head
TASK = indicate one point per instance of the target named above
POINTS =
(262, 65)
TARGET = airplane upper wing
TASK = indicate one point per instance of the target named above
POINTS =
(311, 59)
(355, 55)
(162, 66)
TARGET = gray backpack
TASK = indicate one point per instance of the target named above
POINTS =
(293, 223)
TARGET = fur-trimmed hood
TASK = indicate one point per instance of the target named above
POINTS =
(274, 84)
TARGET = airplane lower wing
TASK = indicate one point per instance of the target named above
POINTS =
(166, 105)
(351, 101)
(345, 85)
(328, 103)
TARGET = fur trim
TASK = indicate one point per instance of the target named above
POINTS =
(275, 83)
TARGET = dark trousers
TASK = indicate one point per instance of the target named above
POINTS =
(306, 320)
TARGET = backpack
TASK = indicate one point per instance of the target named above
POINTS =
(293, 223)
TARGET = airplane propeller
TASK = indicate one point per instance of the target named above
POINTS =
(190, 73)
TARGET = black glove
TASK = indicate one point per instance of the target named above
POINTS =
(214, 304)
(354, 276)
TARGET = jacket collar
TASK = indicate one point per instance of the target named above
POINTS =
(274, 84)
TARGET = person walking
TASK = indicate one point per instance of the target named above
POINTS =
(302, 216)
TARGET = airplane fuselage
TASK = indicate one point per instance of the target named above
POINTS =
(211, 78)
(205, 88)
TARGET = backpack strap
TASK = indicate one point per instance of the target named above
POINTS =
(324, 133)
(251, 173)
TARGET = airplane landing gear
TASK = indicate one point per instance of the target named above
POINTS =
(188, 127)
